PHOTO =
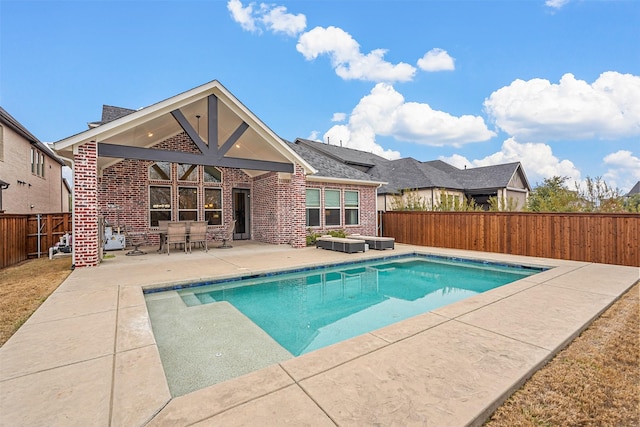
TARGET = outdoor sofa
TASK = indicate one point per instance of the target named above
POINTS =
(340, 244)
(375, 242)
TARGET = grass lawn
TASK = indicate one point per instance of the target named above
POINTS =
(595, 381)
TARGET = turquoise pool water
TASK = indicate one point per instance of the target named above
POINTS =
(307, 310)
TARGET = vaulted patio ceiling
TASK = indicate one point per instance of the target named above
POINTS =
(225, 131)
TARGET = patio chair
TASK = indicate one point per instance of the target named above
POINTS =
(225, 234)
(198, 234)
(136, 239)
(176, 234)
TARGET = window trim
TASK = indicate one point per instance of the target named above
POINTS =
(351, 208)
(170, 209)
(196, 209)
(333, 208)
(204, 200)
(308, 208)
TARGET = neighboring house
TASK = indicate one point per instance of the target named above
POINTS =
(202, 155)
(30, 173)
(430, 180)
(635, 190)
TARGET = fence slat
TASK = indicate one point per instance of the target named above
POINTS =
(591, 237)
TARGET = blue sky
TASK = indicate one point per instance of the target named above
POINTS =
(553, 84)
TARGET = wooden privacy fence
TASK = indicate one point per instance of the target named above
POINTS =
(21, 234)
(603, 238)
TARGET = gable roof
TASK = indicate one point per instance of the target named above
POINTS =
(634, 190)
(17, 127)
(148, 126)
(490, 177)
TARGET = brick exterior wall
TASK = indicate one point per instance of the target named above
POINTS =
(85, 218)
(368, 197)
(279, 208)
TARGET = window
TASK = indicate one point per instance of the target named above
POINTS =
(212, 174)
(184, 192)
(187, 204)
(187, 172)
(313, 207)
(37, 162)
(213, 206)
(332, 207)
(159, 205)
(351, 208)
(160, 171)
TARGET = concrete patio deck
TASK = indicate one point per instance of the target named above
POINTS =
(88, 357)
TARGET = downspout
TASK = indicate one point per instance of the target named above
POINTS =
(377, 212)
(73, 211)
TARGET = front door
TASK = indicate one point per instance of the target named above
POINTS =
(242, 214)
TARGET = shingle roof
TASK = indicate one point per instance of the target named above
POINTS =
(487, 177)
(10, 121)
(634, 190)
(111, 113)
(327, 166)
(406, 173)
(342, 154)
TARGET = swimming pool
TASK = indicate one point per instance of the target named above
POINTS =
(260, 320)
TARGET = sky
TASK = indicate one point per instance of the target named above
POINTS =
(552, 84)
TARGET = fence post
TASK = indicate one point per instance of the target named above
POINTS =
(39, 230)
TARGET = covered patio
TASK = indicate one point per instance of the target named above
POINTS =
(88, 355)
(200, 155)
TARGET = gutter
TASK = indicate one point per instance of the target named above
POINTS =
(316, 178)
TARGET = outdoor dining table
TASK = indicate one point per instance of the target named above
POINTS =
(163, 228)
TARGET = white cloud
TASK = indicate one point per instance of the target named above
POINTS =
(384, 112)
(338, 117)
(623, 170)
(242, 15)
(572, 109)
(274, 18)
(537, 160)
(313, 136)
(556, 4)
(346, 58)
(279, 21)
(436, 60)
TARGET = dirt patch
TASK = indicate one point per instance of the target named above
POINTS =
(595, 381)
(24, 287)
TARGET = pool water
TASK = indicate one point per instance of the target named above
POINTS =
(308, 310)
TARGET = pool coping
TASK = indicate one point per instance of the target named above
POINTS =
(102, 365)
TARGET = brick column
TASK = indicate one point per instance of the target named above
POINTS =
(298, 196)
(85, 205)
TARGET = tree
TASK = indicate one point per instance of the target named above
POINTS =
(599, 197)
(553, 195)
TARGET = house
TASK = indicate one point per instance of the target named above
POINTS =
(203, 155)
(635, 190)
(30, 173)
(433, 179)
